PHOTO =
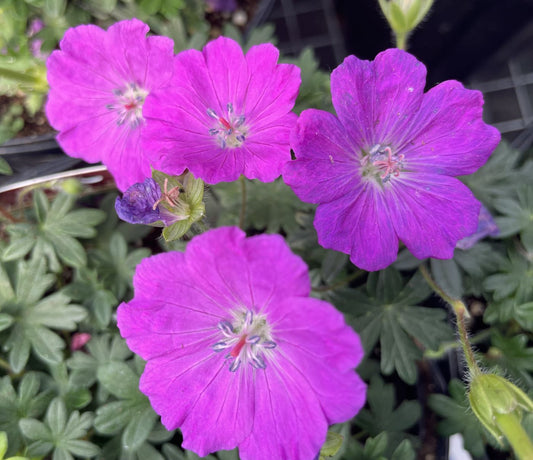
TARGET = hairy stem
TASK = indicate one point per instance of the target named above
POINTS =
(461, 314)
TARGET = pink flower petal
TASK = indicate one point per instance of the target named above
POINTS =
(325, 157)
(431, 213)
(449, 135)
(382, 95)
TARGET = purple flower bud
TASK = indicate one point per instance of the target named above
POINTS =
(137, 204)
(485, 227)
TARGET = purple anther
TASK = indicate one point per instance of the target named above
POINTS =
(258, 362)
(226, 327)
(268, 344)
(212, 114)
(230, 107)
(235, 365)
(253, 339)
(219, 346)
(240, 138)
(249, 318)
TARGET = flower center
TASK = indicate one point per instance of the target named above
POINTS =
(247, 340)
(228, 130)
(129, 104)
(381, 163)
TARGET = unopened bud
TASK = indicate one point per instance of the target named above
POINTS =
(404, 15)
(491, 395)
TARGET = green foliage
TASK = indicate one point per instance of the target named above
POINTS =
(131, 414)
(53, 232)
(381, 416)
(4, 165)
(499, 177)
(377, 449)
(28, 316)
(28, 401)
(458, 418)
(59, 434)
(269, 206)
(388, 311)
(315, 88)
(88, 289)
(116, 264)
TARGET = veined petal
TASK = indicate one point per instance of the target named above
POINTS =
(292, 424)
(327, 162)
(449, 135)
(431, 213)
(227, 329)
(376, 101)
(98, 83)
(225, 114)
(359, 225)
(213, 407)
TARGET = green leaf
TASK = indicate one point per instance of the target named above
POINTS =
(448, 277)
(17, 405)
(515, 279)
(404, 451)
(56, 416)
(81, 448)
(387, 312)
(32, 281)
(459, 418)
(517, 214)
(19, 349)
(381, 415)
(138, 428)
(6, 291)
(4, 167)
(5, 321)
(35, 430)
(111, 418)
(54, 311)
(119, 380)
(69, 250)
(332, 445)
(40, 205)
(47, 345)
(18, 248)
(499, 177)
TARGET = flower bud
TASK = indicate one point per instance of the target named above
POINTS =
(491, 395)
(404, 15)
(173, 202)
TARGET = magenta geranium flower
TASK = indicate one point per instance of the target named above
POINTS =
(237, 352)
(224, 113)
(383, 171)
(98, 83)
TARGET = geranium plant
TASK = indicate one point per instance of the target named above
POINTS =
(265, 272)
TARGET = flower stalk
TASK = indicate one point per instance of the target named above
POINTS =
(510, 426)
(497, 403)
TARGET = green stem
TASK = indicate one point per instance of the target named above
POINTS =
(401, 40)
(242, 214)
(340, 283)
(514, 432)
(461, 314)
